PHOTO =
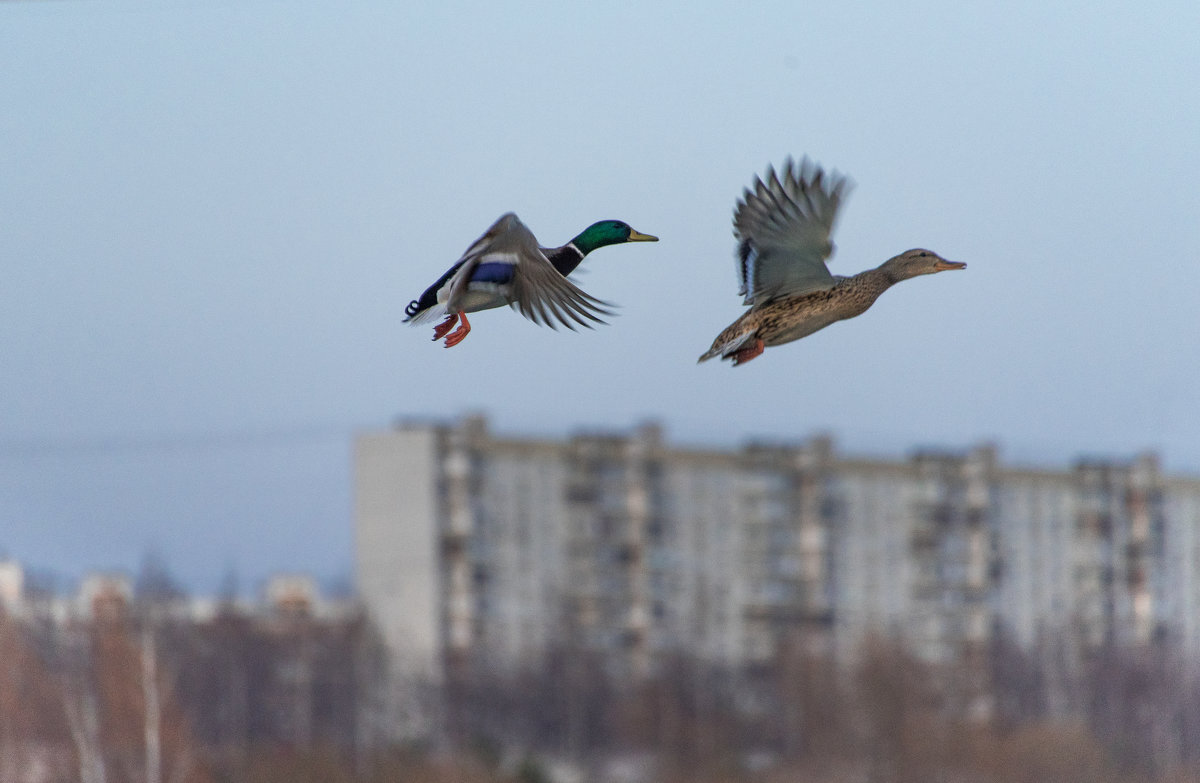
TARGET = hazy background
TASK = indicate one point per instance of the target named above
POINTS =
(212, 216)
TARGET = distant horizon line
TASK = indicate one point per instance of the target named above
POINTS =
(1025, 452)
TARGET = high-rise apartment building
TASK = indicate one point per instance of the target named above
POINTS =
(478, 550)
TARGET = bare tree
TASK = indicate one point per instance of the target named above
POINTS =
(33, 725)
(81, 704)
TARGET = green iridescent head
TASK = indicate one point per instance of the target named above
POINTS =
(608, 232)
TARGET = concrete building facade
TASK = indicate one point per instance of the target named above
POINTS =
(477, 550)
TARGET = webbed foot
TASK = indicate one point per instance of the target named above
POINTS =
(459, 334)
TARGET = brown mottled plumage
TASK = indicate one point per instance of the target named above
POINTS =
(784, 229)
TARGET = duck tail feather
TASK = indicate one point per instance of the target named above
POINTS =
(418, 316)
(725, 346)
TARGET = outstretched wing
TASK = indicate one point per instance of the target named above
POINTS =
(784, 226)
(508, 256)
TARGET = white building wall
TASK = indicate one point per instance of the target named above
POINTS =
(12, 587)
(1181, 547)
(396, 544)
(703, 593)
(521, 547)
(872, 568)
(1035, 523)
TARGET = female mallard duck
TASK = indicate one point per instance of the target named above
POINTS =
(505, 266)
(783, 229)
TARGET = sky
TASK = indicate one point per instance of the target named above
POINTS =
(213, 213)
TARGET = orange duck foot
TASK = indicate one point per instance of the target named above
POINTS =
(440, 330)
(459, 334)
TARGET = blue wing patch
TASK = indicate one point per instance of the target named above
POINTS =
(493, 272)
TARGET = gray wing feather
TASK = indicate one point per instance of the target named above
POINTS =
(540, 288)
(784, 226)
(537, 289)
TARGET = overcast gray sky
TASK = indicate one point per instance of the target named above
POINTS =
(213, 214)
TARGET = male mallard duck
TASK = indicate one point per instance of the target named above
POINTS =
(783, 229)
(505, 266)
